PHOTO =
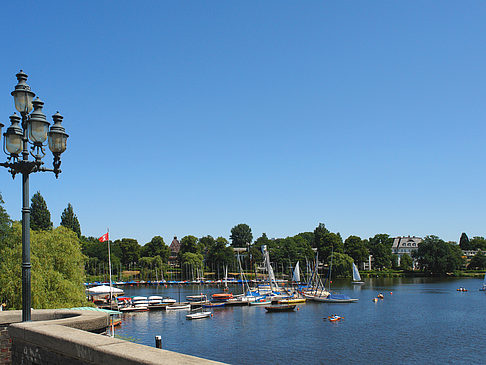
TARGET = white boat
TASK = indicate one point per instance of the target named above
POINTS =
(199, 315)
(356, 276)
(261, 301)
(484, 284)
(179, 306)
(196, 298)
(169, 300)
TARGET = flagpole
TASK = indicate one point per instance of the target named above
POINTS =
(111, 288)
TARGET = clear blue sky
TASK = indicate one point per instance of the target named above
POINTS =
(189, 117)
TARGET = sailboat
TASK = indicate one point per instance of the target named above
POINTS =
(334, 298)
(356, 276)
(484, 284)
(199, 313)
(179, 304)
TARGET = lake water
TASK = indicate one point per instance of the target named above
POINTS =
(424, 321)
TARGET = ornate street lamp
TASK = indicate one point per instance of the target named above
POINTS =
(34, 131)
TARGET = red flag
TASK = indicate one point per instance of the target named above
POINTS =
(103, 238)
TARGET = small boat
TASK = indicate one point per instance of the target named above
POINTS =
(335, 318)
(280, 308)
(336, 298)
(461, 289)
(168, 300)
(199, 315)
(292, 301)
(222, 296)
(261, 301)
(214, 304)
(356, 276)
(179, 306)
(196, 298)
(374, 300)
(380, 296)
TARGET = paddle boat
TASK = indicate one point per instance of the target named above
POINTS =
(335, 318)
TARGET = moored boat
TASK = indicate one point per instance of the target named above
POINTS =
(292, 301)
(261, 301)
(199, 315)
(222, 296)
(179, 306)
(280, 308)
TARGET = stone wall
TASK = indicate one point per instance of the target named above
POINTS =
(62, 337)
(5, 346)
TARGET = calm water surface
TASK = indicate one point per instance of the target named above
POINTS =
(424, 321)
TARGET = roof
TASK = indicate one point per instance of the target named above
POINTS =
(175, 246)
(408, 241)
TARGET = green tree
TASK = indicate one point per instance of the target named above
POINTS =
(241, 235)
(156, 247)
(406, 262)
(5, 222)
(477, 243)
(219, 253)
(40, 217)
(478, 262)
(205, 243)
(327, 242)
(356, 248)
(435, 256)
(341, 265)
(69, 220)
(464, 242)
(191, 261)
(380, 247)
(319, 233)
(189, 244)
(130, 250)
(57, 269)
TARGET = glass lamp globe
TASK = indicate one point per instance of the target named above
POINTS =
(22, 94)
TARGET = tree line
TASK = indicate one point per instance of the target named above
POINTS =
(62, 256)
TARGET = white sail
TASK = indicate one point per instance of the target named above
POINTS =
(356, 276)
(296, 275)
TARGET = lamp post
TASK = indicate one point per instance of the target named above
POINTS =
(32, 132)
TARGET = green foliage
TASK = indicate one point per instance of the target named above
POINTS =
(327, 242)
(287, 251)
(130, 250)
(355, 247)
(464, 242)
(342, 265)
(406, 262)
(5, 222)
(241, 235)
(40, 217)
(69, 220)
(380, 247)
(205, 244)
(152, 268)
(219, 253)
(478, 262)
(435, 256)
(188, 244)
(156, 247)
(477, 243)
(307, 237)
(57, 269)
(191, 260)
